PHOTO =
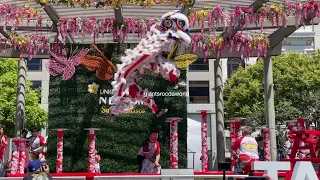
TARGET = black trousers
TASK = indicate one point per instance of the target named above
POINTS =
(139, 161)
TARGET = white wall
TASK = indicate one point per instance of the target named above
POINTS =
(195, 141)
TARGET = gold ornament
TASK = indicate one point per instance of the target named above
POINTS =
(184, 60)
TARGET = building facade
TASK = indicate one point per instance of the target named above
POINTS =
(39, 76)
(200, 83)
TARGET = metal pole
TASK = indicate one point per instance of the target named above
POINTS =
(269, 102)
(219, 111)
(21, 97)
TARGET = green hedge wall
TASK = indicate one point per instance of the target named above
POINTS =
(71, 106)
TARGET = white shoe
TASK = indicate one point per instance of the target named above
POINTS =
(162, 112)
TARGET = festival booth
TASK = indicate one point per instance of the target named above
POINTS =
(163, 42)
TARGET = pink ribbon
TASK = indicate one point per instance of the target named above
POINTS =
(174, 144)
(267, 148)
(14, 163)
(92, 148)
(59, 161)
(204, 142)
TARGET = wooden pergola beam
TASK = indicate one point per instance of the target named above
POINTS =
(236, 54)
(279, 35)
(257, 4)
(11, 53)
(267, 25)
(119, 20)
(5, 34)
(55, 18)
(196, 29)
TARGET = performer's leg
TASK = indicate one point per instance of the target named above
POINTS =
(137, 93)
(168, 70)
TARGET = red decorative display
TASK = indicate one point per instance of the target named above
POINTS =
(174, 144)
(14, 163)
(304, 141)
(59, 161)
(235, 132)
(92, 147)
(204, 138)
(266, 145)
(22, 156)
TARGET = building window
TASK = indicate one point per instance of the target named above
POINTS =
(34, 65)
(199, 92)
(233, 66)
(199, 65)
(36, 85)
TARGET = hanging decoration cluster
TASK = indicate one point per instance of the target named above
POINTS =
(95, 26)
(13, 16)
(244, 16)
(113, 3)
(30, 44)
(244, 44)
(218, 19)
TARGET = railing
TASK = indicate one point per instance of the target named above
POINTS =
(145, 177)
(58, 178)
(171, 177)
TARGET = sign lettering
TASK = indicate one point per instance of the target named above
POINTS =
(302, 170)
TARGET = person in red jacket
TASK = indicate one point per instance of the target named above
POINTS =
(248, 148)
(3, 146)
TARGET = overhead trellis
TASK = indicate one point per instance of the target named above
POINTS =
(113, 3)
(212, 29)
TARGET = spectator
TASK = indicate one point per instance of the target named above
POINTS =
(37, 144)
(260, 142)
(97, 160)
(36, 170)
(288, 146)
(24, 134)
(248, 147)
(149, 154)
(3, 146)
(33, 156)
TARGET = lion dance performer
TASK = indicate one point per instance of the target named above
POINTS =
(248, 147)
(147, 56)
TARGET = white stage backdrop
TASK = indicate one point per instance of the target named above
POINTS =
(194, 140)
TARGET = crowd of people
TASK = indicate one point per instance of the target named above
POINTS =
(36, 148)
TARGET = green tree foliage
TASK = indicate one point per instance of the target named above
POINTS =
(72, 106)
(296, 84)
(36, 116)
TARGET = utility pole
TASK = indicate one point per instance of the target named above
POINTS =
(269, 102)
(219, 111)
(21, 97)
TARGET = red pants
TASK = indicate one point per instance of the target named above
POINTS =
(245, 162)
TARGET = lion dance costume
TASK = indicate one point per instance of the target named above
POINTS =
(147, 56)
